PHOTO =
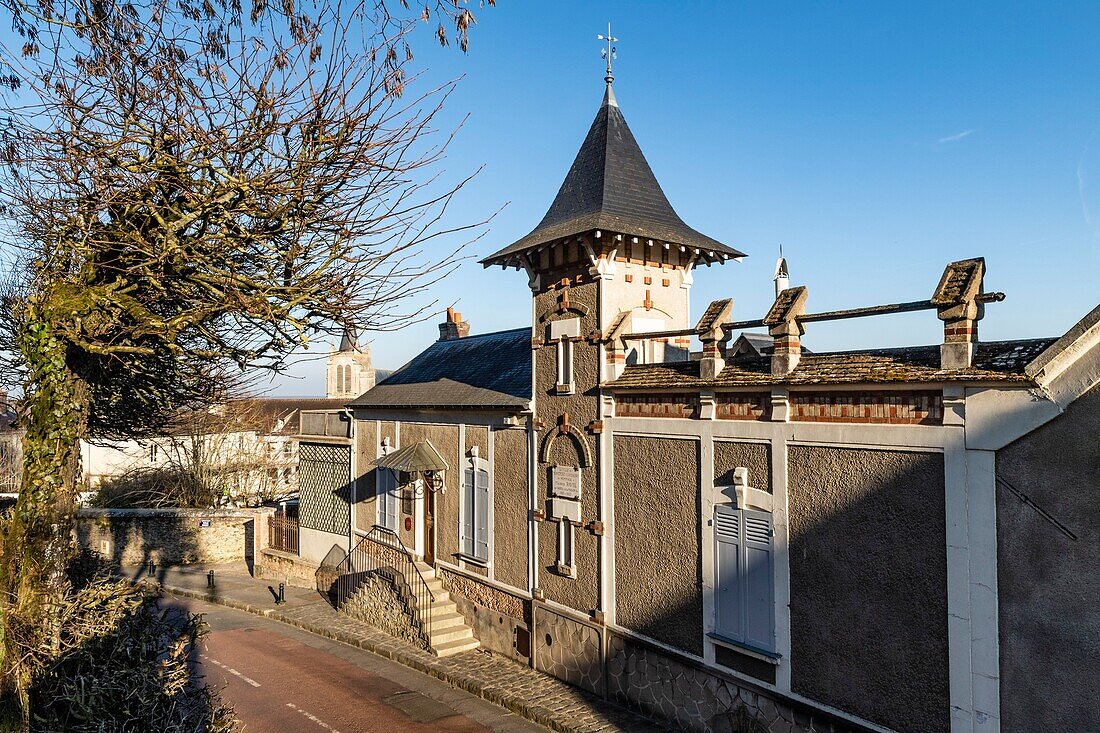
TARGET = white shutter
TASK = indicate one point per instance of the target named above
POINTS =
(758, 593)
(727, 537)
(481, 519)
(387, 517)
(745, 595)
(468, 513)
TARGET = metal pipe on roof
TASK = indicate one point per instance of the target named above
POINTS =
(837, 315)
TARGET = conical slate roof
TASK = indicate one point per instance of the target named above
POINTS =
(611, 187)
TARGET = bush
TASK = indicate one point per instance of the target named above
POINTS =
(122, 662)
(152, 488)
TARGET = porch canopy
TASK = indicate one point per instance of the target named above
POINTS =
(413, 458)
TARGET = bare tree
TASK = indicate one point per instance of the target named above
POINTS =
(191, 190)
(232, 453)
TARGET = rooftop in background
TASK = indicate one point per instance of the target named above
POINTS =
(263, 415)
(996, 361)
(490, 371)
(611, 187)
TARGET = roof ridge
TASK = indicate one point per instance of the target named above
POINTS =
(483, 335)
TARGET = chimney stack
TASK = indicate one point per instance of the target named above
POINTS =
(785, 330)
(713, 335)
(959, 306)
(454, 327)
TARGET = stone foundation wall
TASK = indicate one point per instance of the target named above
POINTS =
(169, 536)
(284, 567)
(568, 649)
(382, 603)
(644, 678)
(497, 618)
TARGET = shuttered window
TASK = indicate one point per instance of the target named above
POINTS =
(387, 498)
(745, 597)
(475, 512)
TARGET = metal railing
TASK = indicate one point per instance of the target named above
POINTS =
(282, 533)
(382, 554)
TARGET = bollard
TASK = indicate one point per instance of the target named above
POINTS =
(282, 595)
(210, 579)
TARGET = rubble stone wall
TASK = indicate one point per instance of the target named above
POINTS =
(168, 536)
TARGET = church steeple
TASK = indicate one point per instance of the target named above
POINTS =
(350, 373)
(349, 341)
(610, 188)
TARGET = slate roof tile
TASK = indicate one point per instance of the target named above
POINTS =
(490, 371)
(611, 187)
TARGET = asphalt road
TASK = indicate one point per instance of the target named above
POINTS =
(279, 678)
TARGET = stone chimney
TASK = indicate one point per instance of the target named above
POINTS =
(712, 334)
(454, 327)
(959, 306)
(785, 330)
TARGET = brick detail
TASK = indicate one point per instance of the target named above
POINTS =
(657, 405)
(889, 408)
(736, 406)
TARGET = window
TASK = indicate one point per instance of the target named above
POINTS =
(745, 598)
(565, 365)
(386, 491)
(564, 332)
(475, 510)
(347, 378)
(152, 453)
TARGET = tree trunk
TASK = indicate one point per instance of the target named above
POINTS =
(38, 543)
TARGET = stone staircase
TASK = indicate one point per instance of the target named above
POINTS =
(447, 633)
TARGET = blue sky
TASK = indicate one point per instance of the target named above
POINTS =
(875, 141)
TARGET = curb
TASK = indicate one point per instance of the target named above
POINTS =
(496, 695)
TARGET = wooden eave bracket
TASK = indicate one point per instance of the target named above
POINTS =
(595, 527)
(595, 427)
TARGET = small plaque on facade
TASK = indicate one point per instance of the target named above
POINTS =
(565, 482)
(204, 522)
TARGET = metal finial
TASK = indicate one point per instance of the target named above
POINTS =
(609, 53)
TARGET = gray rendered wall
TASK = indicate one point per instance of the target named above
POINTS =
(868, 578)
(658, 574)
(1049, 584)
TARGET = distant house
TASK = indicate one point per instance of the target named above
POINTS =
(249, 443)
(895, 539)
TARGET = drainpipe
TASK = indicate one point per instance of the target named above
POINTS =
(350, 415)
(532, 531)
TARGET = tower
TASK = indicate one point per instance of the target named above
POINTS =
(350, 373)
(610, 258)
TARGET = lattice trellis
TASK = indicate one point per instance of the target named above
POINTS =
(324, 487)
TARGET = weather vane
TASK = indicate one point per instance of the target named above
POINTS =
(608, 53)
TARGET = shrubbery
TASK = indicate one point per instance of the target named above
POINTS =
(152, 488)
(122, 661)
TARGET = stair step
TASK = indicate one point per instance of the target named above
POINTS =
(454, 633)
(449, 648)
(443, 608)
(445, 620)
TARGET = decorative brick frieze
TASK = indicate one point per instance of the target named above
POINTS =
(657, 405)
(889, 408)
(743, 406)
